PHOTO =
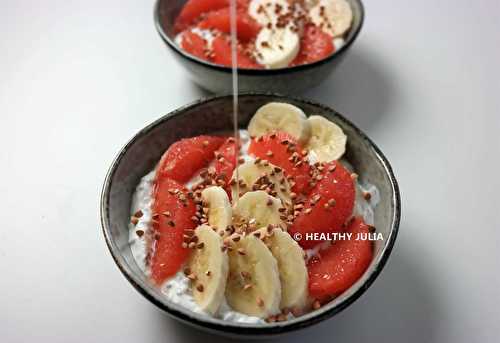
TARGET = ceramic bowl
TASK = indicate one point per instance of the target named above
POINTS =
(144, 150)
(217, 78)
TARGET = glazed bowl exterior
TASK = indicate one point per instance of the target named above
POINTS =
(143, 151)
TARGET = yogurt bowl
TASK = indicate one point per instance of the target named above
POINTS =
(217, 78)
(213, 115)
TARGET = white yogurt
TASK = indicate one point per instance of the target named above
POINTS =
(177, 289)
(205, 34)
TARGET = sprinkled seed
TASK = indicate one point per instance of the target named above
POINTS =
(260, 302)
(138, 214)
(273, 135)
(171, 223)
(281, 317)
(192, 245)
(167, 213)
(208, 273)
(271, 319)
(139, 233)
(134, 220)
(332, 168)
(308, 210)
(257, 234)
(269, 153)
(367, 196)
(247, 286)
(184, 245)
(187, 271)
(192, 276)
(200, 245)
(236, 238)
(205, 143)
(332, 202)
(316, 304)
(269, 202)
(241, 251)
(245, 274)
(298, 207)
(200, 288)
(354, 176)
(293, 195)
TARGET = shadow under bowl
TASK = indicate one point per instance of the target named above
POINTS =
(217, 78)
(143, 151)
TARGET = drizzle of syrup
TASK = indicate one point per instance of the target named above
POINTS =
(234, 74)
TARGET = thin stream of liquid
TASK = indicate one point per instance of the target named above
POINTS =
(234, 74)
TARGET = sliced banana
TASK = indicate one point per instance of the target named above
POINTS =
(265, 11)
(209, 266)
(332, 16)
(327, 142)
(219, 207)
(258, 209)
(254, 176)
(253, 285)
(279, 116)
(276, 47)
(292, 268)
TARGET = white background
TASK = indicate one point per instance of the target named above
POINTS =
(79, 78)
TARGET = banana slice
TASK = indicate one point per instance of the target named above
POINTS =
(277, 47)
(219, 208)
(327, 140)
(292, 268)
(253, 285)
(209, 265)
(332, 16)
(258, 209)
(265, 11)
(258, 176)
(278, 116)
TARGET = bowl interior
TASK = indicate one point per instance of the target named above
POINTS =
(166, 12)
(141, 154)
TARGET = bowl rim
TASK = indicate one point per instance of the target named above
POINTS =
(256, 72)
(231, 328)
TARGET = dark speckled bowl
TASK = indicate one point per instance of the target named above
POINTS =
(143, 151)
(217, 78)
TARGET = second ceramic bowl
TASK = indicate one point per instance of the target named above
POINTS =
(217, 78)
(211, 115)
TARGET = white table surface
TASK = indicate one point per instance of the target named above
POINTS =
(79, 78)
